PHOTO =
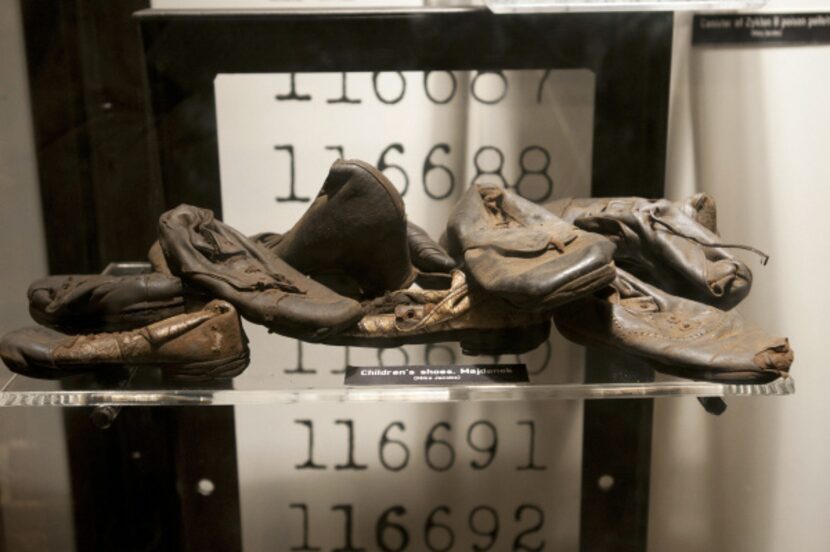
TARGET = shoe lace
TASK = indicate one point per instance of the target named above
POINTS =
(654, 219)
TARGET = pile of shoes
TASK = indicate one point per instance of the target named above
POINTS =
(646, 277)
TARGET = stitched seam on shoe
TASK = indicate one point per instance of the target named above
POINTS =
(277, 285)
(691, 337)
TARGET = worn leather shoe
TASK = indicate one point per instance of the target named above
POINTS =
(483, 323)
(214, 258)
(205, 344)
(432, 263)
(673, 246)
(686, 338)
(83, 303)
(519, 251)
(355, 228)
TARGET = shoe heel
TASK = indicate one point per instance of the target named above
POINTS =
(505, 341)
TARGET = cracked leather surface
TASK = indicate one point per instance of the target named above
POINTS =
(688, 338)
(217, 259)
(665, 245)
(356, 228)
(206, 342)
(519, 251)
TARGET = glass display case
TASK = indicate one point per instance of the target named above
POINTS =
(133, 124)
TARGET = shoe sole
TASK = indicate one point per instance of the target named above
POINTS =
(516, 340)
(716, 376)
(208, 370)
(193, 371)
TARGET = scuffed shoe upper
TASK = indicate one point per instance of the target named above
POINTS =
(690, 339)
(672, 246)
(213, 257)
(523, 253)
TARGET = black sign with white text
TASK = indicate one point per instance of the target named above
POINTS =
(436, 375)
(776, 28)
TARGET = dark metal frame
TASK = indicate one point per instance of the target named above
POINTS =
(133, 483)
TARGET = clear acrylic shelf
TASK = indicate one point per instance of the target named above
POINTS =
(88, 390)
(283, 371)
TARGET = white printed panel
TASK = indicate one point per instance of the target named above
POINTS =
(435, 135)
(501, 476)
(494, 476)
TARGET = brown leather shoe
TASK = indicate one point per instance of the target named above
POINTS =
(673, 246)
(216, 259)
(482, 323)
(81, 303)
(356, 227)
(686, 338)
(432, 263)
(209, 343)
(522, 253)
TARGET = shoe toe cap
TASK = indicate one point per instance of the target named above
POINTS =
(728, 283)
(314, 318)
(593, 255)
(29, 348)
(544, 281)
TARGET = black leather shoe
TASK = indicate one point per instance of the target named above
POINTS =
(519, 251)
